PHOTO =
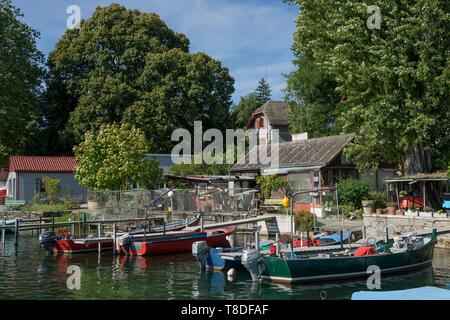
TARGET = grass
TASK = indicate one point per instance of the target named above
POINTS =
(48, 207)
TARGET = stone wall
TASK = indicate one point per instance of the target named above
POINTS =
(375, 224)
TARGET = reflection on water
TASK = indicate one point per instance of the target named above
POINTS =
(31, 273)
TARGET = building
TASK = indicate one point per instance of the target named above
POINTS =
(310, 164)
(3, 178)
(26, 172)
(271, 115)
(165, 160)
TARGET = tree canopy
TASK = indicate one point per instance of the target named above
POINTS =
(128, 66)
(20, 78)
(114, 159)
(390, 86)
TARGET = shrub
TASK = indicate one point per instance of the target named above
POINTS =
(379, 199)
(304, 221)
(271, 184)
(52, 188)
(346, 209)
(352, 192)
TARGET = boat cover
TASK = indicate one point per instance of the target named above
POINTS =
(422, 293)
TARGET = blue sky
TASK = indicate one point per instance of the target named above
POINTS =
(250, 37)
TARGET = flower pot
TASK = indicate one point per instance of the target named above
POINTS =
(367, 206)
(425, 214)
(379, 210)
(391, 210)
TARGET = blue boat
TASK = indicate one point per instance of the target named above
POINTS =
(421, 293)
(333, 239)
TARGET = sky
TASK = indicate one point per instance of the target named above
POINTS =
(252, 38)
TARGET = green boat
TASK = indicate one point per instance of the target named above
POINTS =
(397, 255)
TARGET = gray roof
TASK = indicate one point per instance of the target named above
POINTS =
(301, 153)
(275, 111)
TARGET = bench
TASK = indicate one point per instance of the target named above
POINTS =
(14, 203)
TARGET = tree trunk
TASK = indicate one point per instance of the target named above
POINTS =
(417, 160)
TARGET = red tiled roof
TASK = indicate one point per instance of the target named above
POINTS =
(41, 164)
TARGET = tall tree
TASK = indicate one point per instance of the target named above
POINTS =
(393, 82)
(128, 66)
(20, 80)
(263, 91)
(244, 109)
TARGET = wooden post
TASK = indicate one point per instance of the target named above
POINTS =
(277, 247)
(53, 224)
(72, 228)
(386, 234)
(341, 235)
(307, 238)
(40, 222)
(16, 232)
(99, 235)
(114, 238)
(364, 235)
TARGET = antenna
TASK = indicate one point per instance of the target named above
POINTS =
(266, 68)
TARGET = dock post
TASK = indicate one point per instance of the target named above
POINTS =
(364, 234)
(341, 235)
(307, 238)
(257, 240)
(114, 237)
(16, 232)
(201, 223)
(3, 234)
(40, 222)
(277, 247)
(72, 227)
(386, 234)
(99, 235)
(53, 224)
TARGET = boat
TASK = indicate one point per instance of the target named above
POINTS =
(174, 242)
(174, 226)
(421, 293)
(332, 239)
(66, 243)
(10, 222)
(219, 258)
(403, 253)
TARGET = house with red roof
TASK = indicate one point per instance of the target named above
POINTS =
(25, 175)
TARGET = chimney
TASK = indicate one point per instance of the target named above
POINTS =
(300, 136)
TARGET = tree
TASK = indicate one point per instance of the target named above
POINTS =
(393, 83)
(20, 79)
(244, 110)
(352, 192)
(114, 159)
(52, 188)
(272, 183)
(262, 92)
(128, 66)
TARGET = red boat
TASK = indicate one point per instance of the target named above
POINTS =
(176, 242)
(82, 245)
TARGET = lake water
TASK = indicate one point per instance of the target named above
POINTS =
(31, 273)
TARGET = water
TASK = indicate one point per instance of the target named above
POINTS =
(32, 273)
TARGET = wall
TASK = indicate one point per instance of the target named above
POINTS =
(27, 185)
(375, 224)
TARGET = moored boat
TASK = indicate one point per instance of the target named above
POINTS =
(401, 254)
(174, 242)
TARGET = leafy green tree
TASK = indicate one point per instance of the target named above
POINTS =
(20, 79)
(128, 66)
(263, 92)
(52, 188)
(114, 159)
(352, 192)
(393, 83)
(272, 183)
(304, 221)
(244, 109)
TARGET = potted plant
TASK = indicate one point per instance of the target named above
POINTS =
(367, 206)
(440, 214)
(379, 201)
(391, 207)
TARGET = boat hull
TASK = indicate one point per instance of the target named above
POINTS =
(335, 268)
(176, 243)
(70, 246)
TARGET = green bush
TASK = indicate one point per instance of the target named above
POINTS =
(379, 199)
(304, 221)
(352, 192)
(272, 183)
(52, 188)
(346, 209)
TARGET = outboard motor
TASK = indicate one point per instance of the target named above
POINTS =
(251, 259)
(200, 251)
(231, 240)
(47, 240)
